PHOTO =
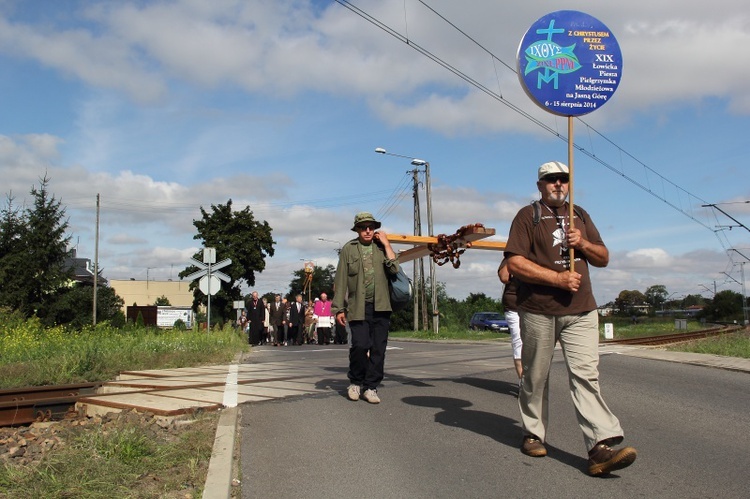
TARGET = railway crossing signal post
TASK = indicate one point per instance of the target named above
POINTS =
(209, 277)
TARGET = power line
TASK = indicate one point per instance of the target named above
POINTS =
(679, 191)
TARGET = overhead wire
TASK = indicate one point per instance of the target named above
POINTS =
(501, 99)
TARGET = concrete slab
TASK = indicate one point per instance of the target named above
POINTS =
(143, 402)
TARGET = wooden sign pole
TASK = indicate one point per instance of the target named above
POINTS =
(571, 251)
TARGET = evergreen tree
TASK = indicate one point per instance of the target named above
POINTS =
(12, 262)
(33, 251)
(46, 245)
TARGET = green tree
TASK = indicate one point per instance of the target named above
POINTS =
(73, 306)
(656, 295)
(236, 235)
(691, 300)
(37, 251)
(322, 282)
(627, 301)
(12, 261)
(162, 301)
(725, 306)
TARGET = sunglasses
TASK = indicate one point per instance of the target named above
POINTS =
(552, 179)
(365, 227)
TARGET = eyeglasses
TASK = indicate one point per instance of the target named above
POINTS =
(552, 179)
(365, 227)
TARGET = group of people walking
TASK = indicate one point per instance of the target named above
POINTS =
(548, 297)
(281, 323)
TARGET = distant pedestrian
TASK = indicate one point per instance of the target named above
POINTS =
(309, 324)
(277, 320)
(256, 312)
(243, 322)
(267, 328)
(322, 311)
(296, 321)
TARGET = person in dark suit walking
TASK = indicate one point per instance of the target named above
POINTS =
(256, 313)
(277, 320)
(296, 321)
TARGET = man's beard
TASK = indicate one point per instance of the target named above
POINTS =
(556, 199)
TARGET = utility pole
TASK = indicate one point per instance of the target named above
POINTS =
(420, 299)
(96, 259)
(433, 283)
(744, 294)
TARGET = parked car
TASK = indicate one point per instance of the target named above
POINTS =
(489, 321)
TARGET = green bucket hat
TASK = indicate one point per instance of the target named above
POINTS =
(363, 217)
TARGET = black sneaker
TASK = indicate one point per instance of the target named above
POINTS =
(604, 459)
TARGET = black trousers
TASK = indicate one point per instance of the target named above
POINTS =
(368, 336)
(296, 333)
(324, 335)
(341, 336)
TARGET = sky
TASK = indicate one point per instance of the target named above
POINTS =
(164, 107)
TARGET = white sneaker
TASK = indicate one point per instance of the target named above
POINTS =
(371, 396)
(353, 392)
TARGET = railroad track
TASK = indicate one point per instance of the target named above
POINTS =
(666, 339)
(22, 406)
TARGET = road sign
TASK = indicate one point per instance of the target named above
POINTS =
(214, 270)
(569, 63)
(203, 285)
(209, 255)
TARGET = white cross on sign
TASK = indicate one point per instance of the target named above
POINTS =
(214, 269)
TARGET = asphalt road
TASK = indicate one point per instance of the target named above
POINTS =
(448, 427)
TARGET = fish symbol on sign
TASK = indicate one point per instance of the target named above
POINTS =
(549, 56)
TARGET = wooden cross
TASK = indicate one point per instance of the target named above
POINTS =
(466, 237)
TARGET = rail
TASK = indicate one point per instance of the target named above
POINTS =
(666, 339)
(22, 406)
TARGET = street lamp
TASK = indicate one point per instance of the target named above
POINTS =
(337, 243)
(433, 285)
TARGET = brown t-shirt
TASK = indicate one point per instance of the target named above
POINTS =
(544, 244)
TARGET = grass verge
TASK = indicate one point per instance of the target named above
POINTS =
(729, 345)
(32, 355)
(124, 459)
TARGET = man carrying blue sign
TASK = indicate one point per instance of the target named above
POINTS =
(556, 303)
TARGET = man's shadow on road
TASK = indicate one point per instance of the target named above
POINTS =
(495, 426)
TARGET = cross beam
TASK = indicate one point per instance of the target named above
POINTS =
(471, 237)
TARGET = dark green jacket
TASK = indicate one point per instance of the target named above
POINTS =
(349, 284)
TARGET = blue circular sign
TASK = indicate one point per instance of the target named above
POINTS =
(569, 63)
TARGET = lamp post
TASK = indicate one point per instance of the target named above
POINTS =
(433, 285)
(337, 243)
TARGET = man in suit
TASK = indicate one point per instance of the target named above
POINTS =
(256, 313)
(277, 320)
(296, 321)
